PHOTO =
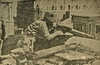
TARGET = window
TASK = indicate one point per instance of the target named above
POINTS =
(97, 29)
(55, 8)
(38, 11)
(84, 6)
(61, 7)
(82, 27)
(85, 27)
(52, 7)
(79, 27)
(89, 28)
(47, 8)
(18, 5)
(68, 7)
(37, 6)
(77, 7)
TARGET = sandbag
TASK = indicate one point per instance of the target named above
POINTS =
(96, 62)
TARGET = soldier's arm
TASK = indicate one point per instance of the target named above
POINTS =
(32, 29)
(46, 32)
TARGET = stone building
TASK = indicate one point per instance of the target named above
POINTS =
(84, 13)
(89, 24)
(74, 6)
(63, 8)
(6, 13)
(26, 13)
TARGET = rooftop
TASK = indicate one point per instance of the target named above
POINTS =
(6, 0)
(86, 14)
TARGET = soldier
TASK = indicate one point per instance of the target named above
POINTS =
(43, 29)
(40, 30)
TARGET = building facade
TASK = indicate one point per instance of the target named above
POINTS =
(74, 6)
(87, 24)
(6, 13)
(30, 10)
(27, 13)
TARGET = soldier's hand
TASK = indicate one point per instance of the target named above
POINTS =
(54, 34)
(59, 32)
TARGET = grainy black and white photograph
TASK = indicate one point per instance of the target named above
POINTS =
(49, 32)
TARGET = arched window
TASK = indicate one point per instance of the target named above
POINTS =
(37, 7)
(79, 7)
(18, 5)
(84, 6)
(61, 7)
(53, 7)
(76, 6)
(68, 7)
(47, 8)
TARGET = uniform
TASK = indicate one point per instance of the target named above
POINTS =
(40, 31)
(38, 34)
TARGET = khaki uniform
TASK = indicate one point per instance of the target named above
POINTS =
(34, 32)
(38, 29)
(38, 35)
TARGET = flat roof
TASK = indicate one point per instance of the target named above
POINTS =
(86, 14)
(74, 55)
(6, 1)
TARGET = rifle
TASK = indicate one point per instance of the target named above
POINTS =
(64, 29)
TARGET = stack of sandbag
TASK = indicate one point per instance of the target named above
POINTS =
(85, 49)
(86, 45)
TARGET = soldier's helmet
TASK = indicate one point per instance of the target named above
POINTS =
(51, 16)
